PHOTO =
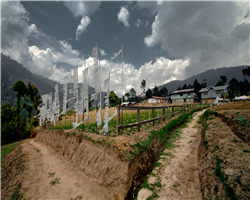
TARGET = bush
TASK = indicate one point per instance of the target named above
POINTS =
(8, 133)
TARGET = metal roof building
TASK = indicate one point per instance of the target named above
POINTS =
(209, 94)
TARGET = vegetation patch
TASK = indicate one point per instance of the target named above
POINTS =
(16, 195)
(228, 189)
(6, 149)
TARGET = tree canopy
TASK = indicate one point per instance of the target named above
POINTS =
(113, 99)
(163, 92)
(222, 81)
(155, 91)
(148, 94)
(143, 85)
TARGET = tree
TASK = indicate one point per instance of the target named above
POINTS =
(222, 81)
(190, 86)
(31, 100)
(197, 86)
(21, 90)
(148, 93)
(233, 88)
(184, 87)
(7, 113)
(90, 102)
(132, 93)
(179, 88)
(127, 95)
(143, 85)
(155, 91)
(163, 92)
(113, 99)
(244, 72)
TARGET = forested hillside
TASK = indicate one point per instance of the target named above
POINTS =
(212, 76)
(11, 71)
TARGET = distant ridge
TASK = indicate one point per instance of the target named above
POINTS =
(212, 76)
(11, 71)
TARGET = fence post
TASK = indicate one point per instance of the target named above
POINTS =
(153, 115)
(118, 120)
(163, 113)
(138, 119)
(172, 111)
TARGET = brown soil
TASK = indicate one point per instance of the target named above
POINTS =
(105, 160)
(237, 116)
(238, 105)
(44, 165)
(11, 172)
(235, 163)
(71, 164)
(178, 172)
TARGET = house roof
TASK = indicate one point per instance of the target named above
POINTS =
(218, 88)
(183, 91)
(164, 98)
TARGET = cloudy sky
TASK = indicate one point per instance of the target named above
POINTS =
(162, 40)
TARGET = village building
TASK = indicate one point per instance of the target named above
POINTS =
(210, 93)
(184, 96)
(155, 99)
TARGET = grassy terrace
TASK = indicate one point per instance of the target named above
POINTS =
(129, 116)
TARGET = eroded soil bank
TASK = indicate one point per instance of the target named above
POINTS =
(101, 161)
(12, 172)
(224, 161)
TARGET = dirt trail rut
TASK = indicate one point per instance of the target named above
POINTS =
(178, 172)
(50, 176)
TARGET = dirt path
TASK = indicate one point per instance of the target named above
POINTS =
(176, 177)
(50, 176)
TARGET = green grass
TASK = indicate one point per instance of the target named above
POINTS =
(51, 174)
(204, 140)
(16, 195)
(6, 149)
(55, 181)
(228, 189)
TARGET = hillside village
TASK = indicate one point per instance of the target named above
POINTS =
(125, 100)
(127, 143)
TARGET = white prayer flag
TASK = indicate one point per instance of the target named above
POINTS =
(115, 55)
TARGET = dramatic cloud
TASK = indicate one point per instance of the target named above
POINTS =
(85, 21)
(160, 72)
(32, 29)
(45, 52)
(209, 34)
(102, 52)
(138, 22)
(82, 8)
(123, 16)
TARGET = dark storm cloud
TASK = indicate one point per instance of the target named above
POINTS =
(206, 33)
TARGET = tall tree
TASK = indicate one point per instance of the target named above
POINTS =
(32, 100)
(155, 91)
(21, 90)
(190, 86)
(233, 88)
(132, 93)
(148, 93)
(222, 81)
(244, 72)
(143, 85)
(163, 92)
(184, 87)
(113, 99)
(197, 85)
